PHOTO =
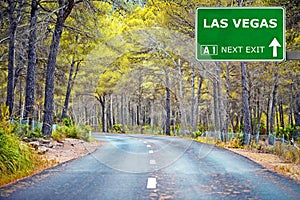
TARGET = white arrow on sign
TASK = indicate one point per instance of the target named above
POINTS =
(274, 44)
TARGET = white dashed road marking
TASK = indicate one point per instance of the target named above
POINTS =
(151, 151)
(151, 184)
(148, 145)
(152, 162)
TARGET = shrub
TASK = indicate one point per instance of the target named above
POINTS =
(74, 131)
(67, 122)
(56, 135)
(16, 159)
(288, 152)
(84, 132)
(117, 128)
(289, 132)
(197, 134)
(236, 141)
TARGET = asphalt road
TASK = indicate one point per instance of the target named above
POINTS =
(155, 167)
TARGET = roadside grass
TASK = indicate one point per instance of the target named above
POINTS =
(287, 152)
(72, 131)
(17, 159)
(288, 162)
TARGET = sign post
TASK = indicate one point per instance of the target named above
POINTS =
(240, 34)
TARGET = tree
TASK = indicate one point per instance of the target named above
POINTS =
(65, 8)
(245, 98)
(30, 78)
(168, 106)
(69, 86)
(15, 13)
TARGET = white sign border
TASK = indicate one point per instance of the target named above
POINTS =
(242, 60)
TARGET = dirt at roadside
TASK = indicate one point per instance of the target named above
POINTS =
(70, 149)
(272, 162)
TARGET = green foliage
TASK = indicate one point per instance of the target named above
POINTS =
(14, 155)
(57, 135)
(74, 131)
(17, 160)
(67, 122)
(24, 130)
(5, 124)
(200, 131)
(117, 128)
(197, 134)
(288, 152)
(84, 132)
(237, 141)
(288, 132)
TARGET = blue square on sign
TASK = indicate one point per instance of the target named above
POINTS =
(209, 50)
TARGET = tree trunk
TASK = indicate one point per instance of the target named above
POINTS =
(281, 114)
(102, 101)
(245, 100)
(260, 108)
(197, 101)
(13, 21)
(64, 11)
(111, 110)
(69, 88)
(297, 113)
(152, 115)
(30, 78)
(273, 104)
(291, 121)
(122, 112)
(220, 98)
(216, 107)
(181, 99)
(140, 103)
(20, 98)
(268, 116)
(193, 120)
(130, 116)
(168, 102)
(227, 119)
(255, 111)
(20, 64)
(49, 87)
(86, 116)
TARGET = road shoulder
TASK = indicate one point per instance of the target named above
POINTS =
(271, 162)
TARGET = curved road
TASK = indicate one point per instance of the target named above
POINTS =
(155, 167)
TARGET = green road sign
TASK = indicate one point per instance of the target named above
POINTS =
(240, 34)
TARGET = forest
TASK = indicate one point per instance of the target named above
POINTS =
(129, 66)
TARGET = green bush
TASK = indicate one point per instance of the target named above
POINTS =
(24, 130)
(84, 132)
(197, 134)
(16, 158)
(74, 131)
(288, 132)
(56, 135)
(13, 154)
(117, 128)
(67, 122)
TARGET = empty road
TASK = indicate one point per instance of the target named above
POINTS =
(154, 167)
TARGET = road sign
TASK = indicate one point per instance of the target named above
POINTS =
(240, 34)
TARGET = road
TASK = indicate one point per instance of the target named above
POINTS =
(155, 167)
